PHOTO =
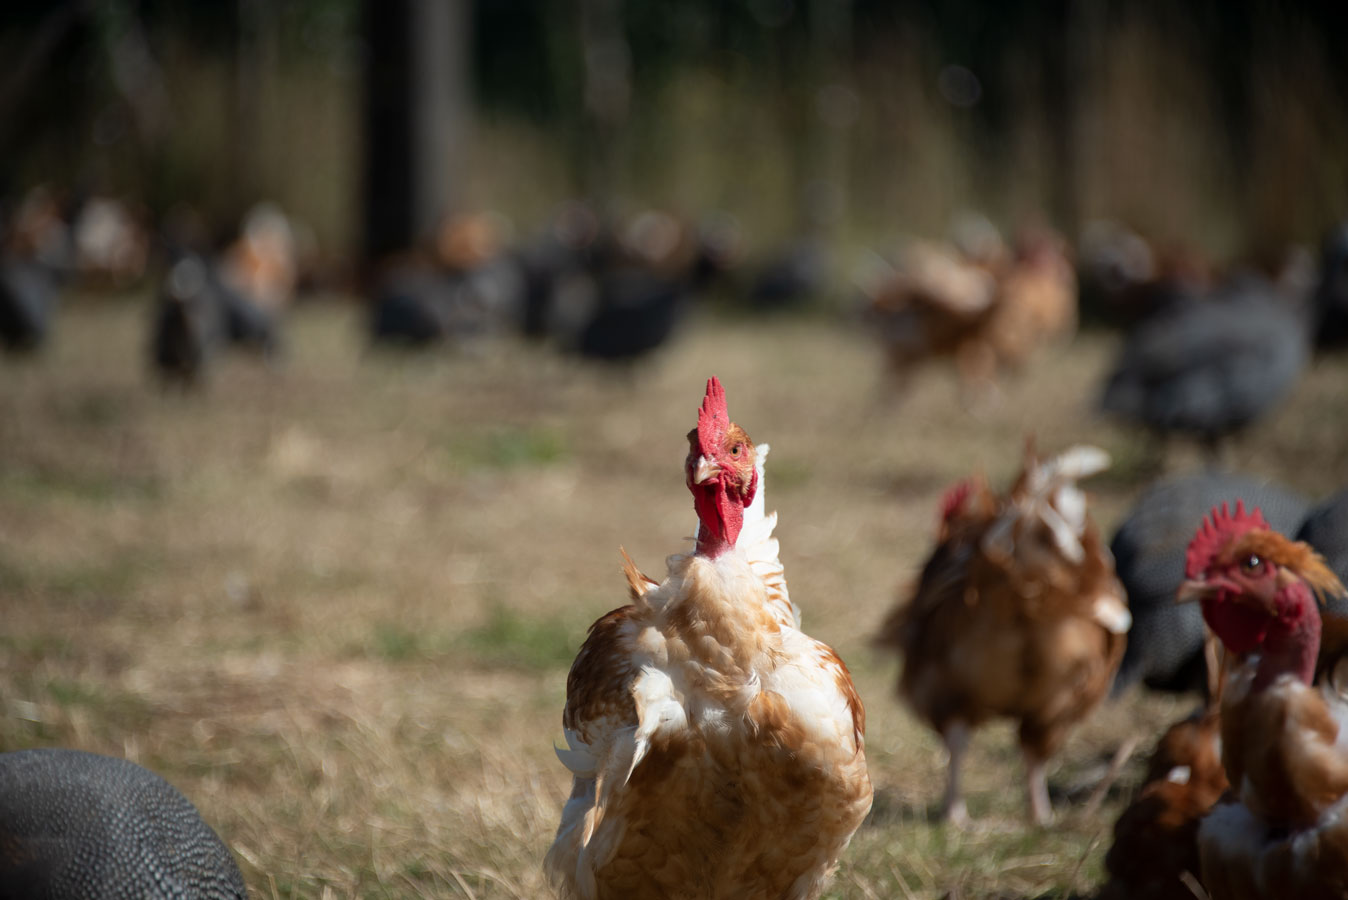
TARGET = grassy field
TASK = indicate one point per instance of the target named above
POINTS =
(335, 604)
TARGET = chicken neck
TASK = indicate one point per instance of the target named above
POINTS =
(1293, 640)
(720, 515)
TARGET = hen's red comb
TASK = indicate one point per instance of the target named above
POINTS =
(713, 418)
(1217, 531)
(954, 498)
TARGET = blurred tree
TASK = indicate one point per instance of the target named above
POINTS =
(416, 118)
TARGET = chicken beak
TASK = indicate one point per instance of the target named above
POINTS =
(1199, 588)
(705, 470)
(1195, 589)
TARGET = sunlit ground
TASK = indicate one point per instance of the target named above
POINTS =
(335, 604)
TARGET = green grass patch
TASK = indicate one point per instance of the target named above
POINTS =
(40, 646)
(507, 639)
(510, 448)
(395, 642)
(112, 579)
(512, 640)
(50, 483)
(74, 693)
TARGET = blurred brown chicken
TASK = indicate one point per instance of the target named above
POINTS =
(988, 311)
(262, 264)
(1017, 614)
(1155, 851)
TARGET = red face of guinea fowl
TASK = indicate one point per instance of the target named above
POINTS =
(720, 473)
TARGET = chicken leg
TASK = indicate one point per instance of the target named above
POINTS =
(953, 810)
(1036, 780)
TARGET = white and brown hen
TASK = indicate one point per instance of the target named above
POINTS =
(717, 750)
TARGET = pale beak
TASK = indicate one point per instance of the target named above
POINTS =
(1197, 588)
(1194, 589)
(705, 470)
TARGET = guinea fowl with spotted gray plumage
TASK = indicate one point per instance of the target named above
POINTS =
(1210, 368)
(1326, 529)
(79, 826)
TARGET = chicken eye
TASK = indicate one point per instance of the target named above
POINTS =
(1251, 563)
(735, 450)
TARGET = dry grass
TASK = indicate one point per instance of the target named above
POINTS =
(335, 604)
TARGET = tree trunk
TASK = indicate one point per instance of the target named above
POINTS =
(416, 118)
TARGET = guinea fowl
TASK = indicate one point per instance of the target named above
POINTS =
(794, 277)
(1123, 279)
(28, 297)
(189, 324)
(1165, 644)
(36, 256)
(1210, 368)
(79, 826)
(1326, 529)
(644, 292)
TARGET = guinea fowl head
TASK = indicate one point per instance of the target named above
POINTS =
(1258, 590)
(720, 473)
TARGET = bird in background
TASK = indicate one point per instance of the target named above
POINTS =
(37, 257)
(1210, 367)
(1016, 614)
(985, 307)
(1284, 741)
(1165, 643)
(717, 751)
(1154, 855)
(80, 826)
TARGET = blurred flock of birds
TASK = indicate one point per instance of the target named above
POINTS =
(1022, 609)
(1209, 350)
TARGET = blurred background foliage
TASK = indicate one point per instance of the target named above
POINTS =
(1220, 122)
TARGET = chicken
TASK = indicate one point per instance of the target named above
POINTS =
(111, 245)
(262, 264)
(1165, 644)
(1155, 851)
(988, 313)
(1284, 742)
(717, 750)
(1017, 613)
(1036, 300)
